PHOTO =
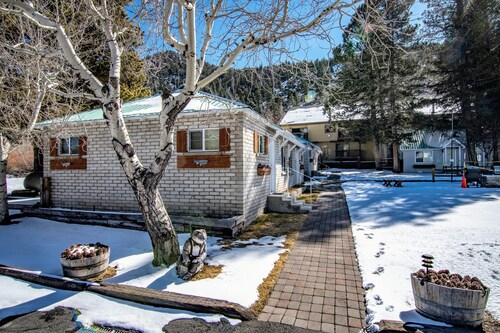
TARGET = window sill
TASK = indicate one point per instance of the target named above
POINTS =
(205, 152)
(68, 155)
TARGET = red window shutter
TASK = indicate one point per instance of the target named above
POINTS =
(82, 145)
(255, 142)
(53, 147)
(224, 139)
(266, 145)
(182, 141)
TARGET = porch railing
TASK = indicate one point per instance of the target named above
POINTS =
(310, 181)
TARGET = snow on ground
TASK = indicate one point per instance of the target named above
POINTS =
(365, 175)
(36, 244)
(393, 227)
(17, 296)
(14, 183)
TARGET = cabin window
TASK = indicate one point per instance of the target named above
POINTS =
(301, 132)
(262, 144)
(204, 140)
(68, 146)
(423, 156)
(342, 150)
(68, 153)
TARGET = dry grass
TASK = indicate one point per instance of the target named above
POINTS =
(208, 272)
(308, 198)
(100, 328)
(20, 160)
(274, 225)
(108, 273)
(490, 324)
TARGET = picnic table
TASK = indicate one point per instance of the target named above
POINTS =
(397, 182)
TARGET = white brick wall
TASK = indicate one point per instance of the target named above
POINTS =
(256, 188)
(237, 190)
(103, 185)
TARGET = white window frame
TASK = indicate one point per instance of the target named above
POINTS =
(68, 139)
(425, 154)
(202, 130)
(261, 141)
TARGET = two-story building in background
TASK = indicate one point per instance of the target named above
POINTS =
(312, 123)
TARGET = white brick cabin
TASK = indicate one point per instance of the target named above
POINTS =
(220, 146)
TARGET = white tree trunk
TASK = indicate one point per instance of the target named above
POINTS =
(4, 208)
(166, 248)
(144, 181)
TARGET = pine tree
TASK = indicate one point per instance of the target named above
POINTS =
(376, 75)
(468, 33)
(93, 47)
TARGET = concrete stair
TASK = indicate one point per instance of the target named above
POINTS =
(286, 203)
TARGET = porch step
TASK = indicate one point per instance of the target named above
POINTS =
(285, 203)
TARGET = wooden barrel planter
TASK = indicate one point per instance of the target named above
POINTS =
(86, 268)
(455, 306)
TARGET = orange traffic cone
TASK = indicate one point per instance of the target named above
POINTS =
(464, 182)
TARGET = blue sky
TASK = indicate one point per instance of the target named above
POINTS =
(306, 48)
(315, 48)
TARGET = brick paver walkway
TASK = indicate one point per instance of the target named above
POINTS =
(320, 285)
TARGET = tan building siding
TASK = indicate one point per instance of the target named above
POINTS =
(330, 143)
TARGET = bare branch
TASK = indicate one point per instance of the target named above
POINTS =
(191, 63)
(64, 41)
(106, 24)
(73, 95)
(181, 24)
(167, 34)
(209, 21)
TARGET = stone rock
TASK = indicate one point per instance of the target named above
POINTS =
(197, 325)
(59, 319)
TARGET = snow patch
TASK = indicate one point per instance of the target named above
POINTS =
(36, 244)
(393, 227)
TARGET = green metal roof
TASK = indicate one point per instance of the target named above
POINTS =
(150, 106)
(428, 140)
(417, 141)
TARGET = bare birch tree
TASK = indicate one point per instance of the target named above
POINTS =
(24, 66)
(197, 30)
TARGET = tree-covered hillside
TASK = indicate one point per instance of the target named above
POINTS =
(269, 90)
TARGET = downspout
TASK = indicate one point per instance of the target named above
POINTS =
(297, 164)
(290, 167)
(272, 162)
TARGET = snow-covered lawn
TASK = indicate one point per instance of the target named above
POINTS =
(36, 244)
(393, 227)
